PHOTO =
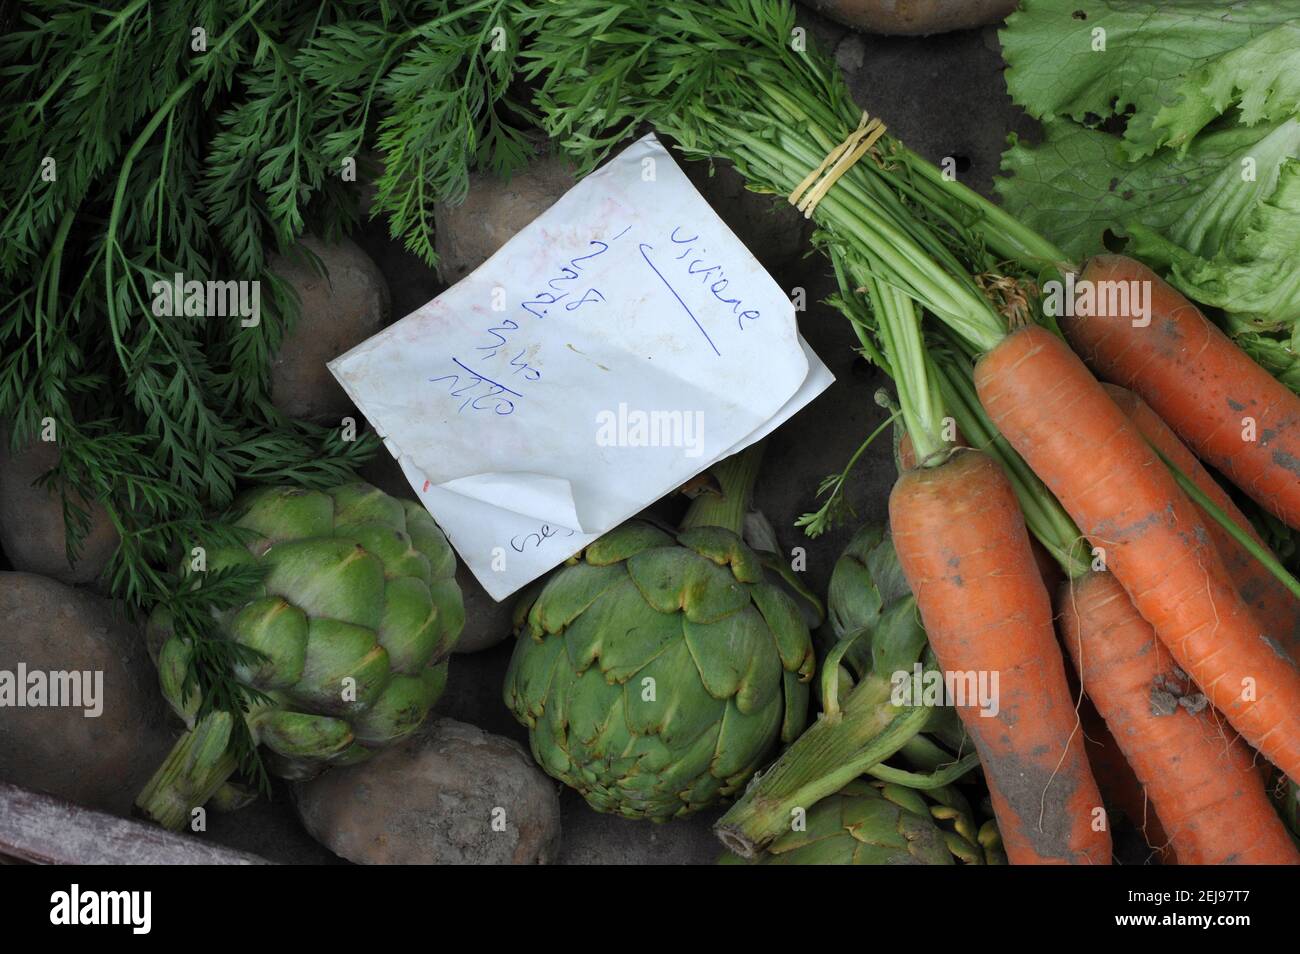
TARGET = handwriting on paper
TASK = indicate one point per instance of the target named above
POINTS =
(478, 392)
(535, 538)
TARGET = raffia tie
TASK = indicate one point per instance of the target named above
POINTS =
(808, 193)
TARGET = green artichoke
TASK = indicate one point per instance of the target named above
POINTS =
(656, 671)
(353, 622)
(861, 824)
(873, 633)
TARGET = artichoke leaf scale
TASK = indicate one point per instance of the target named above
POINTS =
(734, 659)
(625, 541)
(450, 606)
(277, 629)
(338, 651)
(390, 545)
(569, 593)
(430, 541)
(668, 698)
(796, 690)
(401, 707)
(278, 514)
(724, 548)
(675, 579)
(331, 579)
(302, 735)
(531, 679)
(358, 503)
(621, 632)
(590, 717)
(787, 628)
(742, 735)
(408, 629)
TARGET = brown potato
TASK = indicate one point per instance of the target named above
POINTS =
(100, 761)
(450, 794)
(32, 531)
(339, 310)
(913, 17)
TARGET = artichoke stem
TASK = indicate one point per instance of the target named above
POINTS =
(197, 766)
(736, 476)
(820, 762)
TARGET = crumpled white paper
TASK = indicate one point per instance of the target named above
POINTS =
(615, 347)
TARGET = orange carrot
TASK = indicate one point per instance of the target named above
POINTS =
(1200, 777)
(1228, 409)
(1119, 784)
(1054, 412)
(962, 543)
(1272, 603)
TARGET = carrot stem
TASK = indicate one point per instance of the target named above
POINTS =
(932, 780)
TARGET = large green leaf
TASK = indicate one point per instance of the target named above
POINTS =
(1175, 66)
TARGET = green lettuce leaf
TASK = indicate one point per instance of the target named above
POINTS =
(1203, 182)
(1170, 68)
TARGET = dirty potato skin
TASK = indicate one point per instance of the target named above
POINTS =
(99, 761)
(33, 534)
(450, 794)
(913, 17)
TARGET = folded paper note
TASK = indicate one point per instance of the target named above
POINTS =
(614, 348)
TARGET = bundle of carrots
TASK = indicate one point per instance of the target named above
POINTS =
(1180, 625)
(1181, 638)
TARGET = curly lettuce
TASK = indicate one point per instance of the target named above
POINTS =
(1174, 127)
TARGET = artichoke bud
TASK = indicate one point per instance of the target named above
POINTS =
(357, 611)
(655, 673)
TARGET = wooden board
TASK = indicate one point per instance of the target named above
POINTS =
(45, 830)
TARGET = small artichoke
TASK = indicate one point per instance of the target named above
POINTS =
(861, 824)
(655, 672)
(354, 619)
(872, 643)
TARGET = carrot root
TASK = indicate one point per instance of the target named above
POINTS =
(963, 546)
(1228, 409)
(1199, 775)
(1272, 603)
(1057, 416)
